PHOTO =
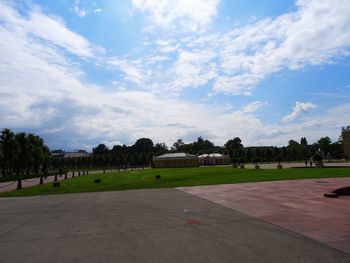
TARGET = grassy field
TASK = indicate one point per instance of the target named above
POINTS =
(175, 177)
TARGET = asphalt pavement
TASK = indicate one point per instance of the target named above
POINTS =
(161, 225)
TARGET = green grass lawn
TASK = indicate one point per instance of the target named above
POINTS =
(175, 177)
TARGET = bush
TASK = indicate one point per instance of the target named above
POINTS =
(317, 157)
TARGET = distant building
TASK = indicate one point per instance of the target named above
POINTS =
(75, 154)
(57, 153)
(213, 159)
(346, 141)
(175, 160)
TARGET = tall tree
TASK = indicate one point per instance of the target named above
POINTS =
(39, 151)
(234, 144)
(143, 145)
(100, 149)
(1, 156)
(24, 151)
(303, 141)
(160, 148)
(10, 150)
(324, 143)
(178, 144)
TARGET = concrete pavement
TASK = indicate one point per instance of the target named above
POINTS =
(162, 225)
(297, 205)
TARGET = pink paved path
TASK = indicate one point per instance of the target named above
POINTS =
(297, 205)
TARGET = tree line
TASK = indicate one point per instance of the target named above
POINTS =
(294, 151)
(24, 154)
(143, 150)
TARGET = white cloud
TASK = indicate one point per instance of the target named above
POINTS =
(192, 69)
(192, 15)
(299, 110)
(80, 12)
(313, 35)
(83, 8)
(46, 28)
(327, 123)
(42, 89)
(130, 69)
(253, 106)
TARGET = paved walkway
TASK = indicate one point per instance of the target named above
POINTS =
(162, 225)
(295, 164)
(296, 205)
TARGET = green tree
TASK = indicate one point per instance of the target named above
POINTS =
(100, 149)
(143, 145)
(39, 151)
(303, 141)
(324, 143)
(10, 151)
(1, 156)
(248, 155)
(233, 144)
(160, 148)
(24, 156)
(178, 144)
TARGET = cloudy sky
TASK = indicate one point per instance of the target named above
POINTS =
(79, 73)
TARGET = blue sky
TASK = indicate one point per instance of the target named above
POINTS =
(80, 73)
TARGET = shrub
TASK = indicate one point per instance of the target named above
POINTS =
(317, 157)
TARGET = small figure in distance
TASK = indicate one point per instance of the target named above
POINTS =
(305, 162)
(310, 163)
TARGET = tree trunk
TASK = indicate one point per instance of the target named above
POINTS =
(19, 184)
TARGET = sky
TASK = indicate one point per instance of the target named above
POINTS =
(80, 73)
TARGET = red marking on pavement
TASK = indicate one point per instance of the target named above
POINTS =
(192, 222)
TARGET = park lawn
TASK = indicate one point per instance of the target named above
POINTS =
(175, 177)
